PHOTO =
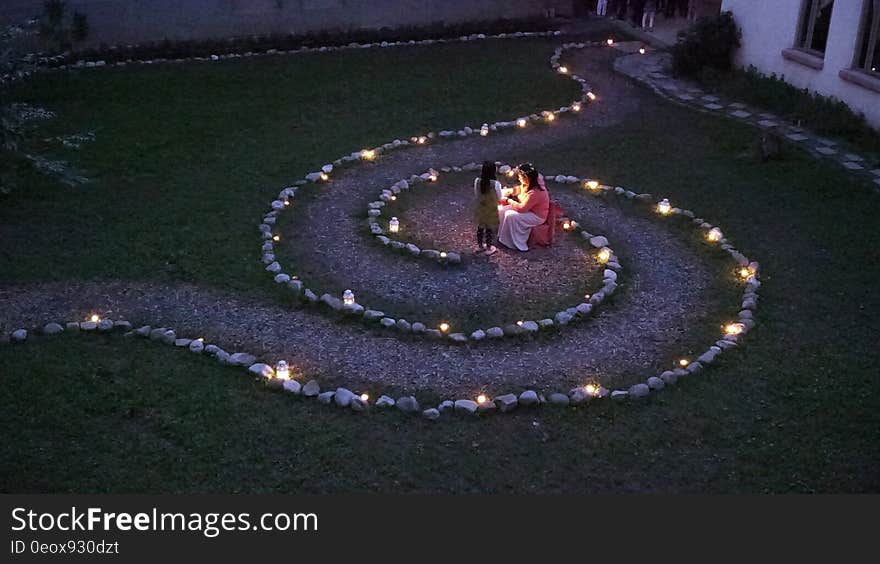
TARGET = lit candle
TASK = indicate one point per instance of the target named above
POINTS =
(591, 389)
(481, 399)
(664, 207)
(511, 172)
(393, 198)
(95, 318)
(433, 178)
(484, 130)
(609, 41)
(365, 397)
(443, 254)
(683, 362)
(422, 140)
(734, 328)
(520, 322)
(282, 371)
(276, 238)
(566, 225)
(324, 176)
(604, 255)
(348, 298)
(591, 96)
(286, 202)
(563, 70)
(368, 154)
(641, 50)
(521, 122)
(550, 116)
(394, 225)
(576, 107)
(444, 327)
(592, 185)
(714, 235)
(745, 273)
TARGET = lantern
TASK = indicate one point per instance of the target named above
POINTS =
(394, 225)
(444, 327)
(641, 50)
(550, 116)
(368, 154)
(592, 185)
(282, 371)
(433, 177)
(664, 207)
(422, 140)
(365, 397)
(443, 254)
(481, 399)
(683, 362)
(95, 318)
(348, 298)
(591, 96)
(276, 238)
(324, 176)
(714, 235)
(286, 202)
(566, 225)
(520, 322)
(563, 70)
(484, 130)
(393, 198)
(591, 389)
(576, 107)
(745, 273)
(609, 42)
(521, 122)
(604, 255)
(734, 328)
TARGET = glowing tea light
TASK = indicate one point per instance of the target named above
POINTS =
(324, 176)
(609, 41)
(422, 140)
(591, 389)
(550, 116)
(664, 207)
(368, 154)
(576, 107)
(201, 339)
(481, 399)
(592, 185)
(586, 296)
(714, 235)
(683, 362)
(393, 198)
(348, 298)
(433, 178)
(591, 96)
(521, 122)
(394, 225)
(484, 130)
(444, 327)
(604, 255)
(286, 202)
(443, 254)
(511, 172)
(641, 50)
(365, 397)
(520, 322)
(566, 225)
(276, 238)
(563, 70)
(746, 273)
(282, 371)
(94, 318)
(734, 328)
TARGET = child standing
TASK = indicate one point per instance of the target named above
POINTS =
(487, 190)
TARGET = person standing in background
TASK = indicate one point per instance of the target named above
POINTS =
(650, 10)
(601, 7)
(637, 9)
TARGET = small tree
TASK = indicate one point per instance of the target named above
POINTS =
(709, 43)
(57, 31)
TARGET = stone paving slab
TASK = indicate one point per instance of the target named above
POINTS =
(826, 150)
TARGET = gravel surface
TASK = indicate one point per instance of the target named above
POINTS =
(665, 289)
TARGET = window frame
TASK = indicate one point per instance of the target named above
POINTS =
(872, 30)
(807, 27)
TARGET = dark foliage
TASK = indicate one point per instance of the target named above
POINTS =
(708, 44)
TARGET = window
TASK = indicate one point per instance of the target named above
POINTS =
(868, 58)
(815, 22)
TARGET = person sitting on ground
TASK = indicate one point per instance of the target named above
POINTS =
(528, 210)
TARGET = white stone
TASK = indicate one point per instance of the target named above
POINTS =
(385, 401)
(373, 315)
(197, 346)
(274, 267)
(292, 386)
(282, 278)
(584, 309)
(478, 335)
(387, 322)
(495, 332)
(563, 318)
(598, 241)
(407, 404)
(182, 343)
(105, 325)
(19, 335)
(465, 406)
(528, 398)
(656, 383)
(311, 389)
(52, 329)
(343, 397)
(431, 414)
(506, 402)
(559, 399)
(262, 370)
(326, 397)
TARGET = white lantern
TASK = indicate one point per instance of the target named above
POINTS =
(422, 140)
(550, 116)
(609, 42)
(591, 389)
(282, 371)
(394, 225)
(481, 399)
(591, 96)
(592, 185)
(576, 107)
(521, 122)
(563, 70)
(443, 254)
(368, 154)
(664, 207)
(714, 235)
(348, 298)
(604, 255)
(95, 318)
(484, 130)
(734, 328)
(641, 50)
(324, 176)
(444, 327)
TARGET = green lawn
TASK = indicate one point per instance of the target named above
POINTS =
(186, 162)
(797, 409)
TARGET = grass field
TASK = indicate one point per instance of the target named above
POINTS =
(797, 409)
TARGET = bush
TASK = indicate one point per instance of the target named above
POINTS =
(707, 44)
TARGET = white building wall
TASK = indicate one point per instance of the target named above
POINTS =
(770, 26)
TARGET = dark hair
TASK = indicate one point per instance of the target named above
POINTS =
(487, 175)
(531, 173)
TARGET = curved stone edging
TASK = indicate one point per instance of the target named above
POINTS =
(648, 71)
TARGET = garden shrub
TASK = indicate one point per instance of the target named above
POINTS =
(707, 44)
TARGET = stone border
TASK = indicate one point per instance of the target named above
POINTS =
(349, 307)
(482, 404)
(649, 71)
